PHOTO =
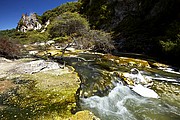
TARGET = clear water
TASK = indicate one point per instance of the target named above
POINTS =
(108, 99)
(103, 92)
(123, 104)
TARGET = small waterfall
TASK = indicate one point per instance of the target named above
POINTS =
(113, 105)
(104, 91)
(123, 104)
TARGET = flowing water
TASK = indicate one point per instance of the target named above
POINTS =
(104, 93)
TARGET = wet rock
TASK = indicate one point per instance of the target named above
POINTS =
(135, 77)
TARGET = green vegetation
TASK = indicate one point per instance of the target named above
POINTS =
(75, 27)
(145, 27)
(98, 13)
(149, 27)
(68, 24)
(67, 7)
(35, 36)
(43, 95)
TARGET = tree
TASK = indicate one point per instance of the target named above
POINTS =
(68, 24)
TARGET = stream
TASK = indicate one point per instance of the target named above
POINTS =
(105, 94)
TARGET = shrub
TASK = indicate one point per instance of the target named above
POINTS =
(102, 41)
(96, 40)
(8, 48)
(171, 47)
(34, 36)
(21, 37)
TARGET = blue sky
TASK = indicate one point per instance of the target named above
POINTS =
(11, 10)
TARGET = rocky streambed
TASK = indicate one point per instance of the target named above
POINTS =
(87, 84)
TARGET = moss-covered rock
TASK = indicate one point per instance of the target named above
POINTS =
(126, 61)
(49, 94)
(84, 115)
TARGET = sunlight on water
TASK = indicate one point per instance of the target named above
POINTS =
(102, 94)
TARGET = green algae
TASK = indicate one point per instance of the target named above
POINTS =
(48, 94)
(168, 92)
(52, 94)
(125, 61)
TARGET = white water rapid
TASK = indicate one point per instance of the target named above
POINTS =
(124, 104)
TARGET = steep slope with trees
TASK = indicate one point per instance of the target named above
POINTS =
(150, 27)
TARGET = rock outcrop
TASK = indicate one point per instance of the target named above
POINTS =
(29, 23)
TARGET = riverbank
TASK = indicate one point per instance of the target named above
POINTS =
(34, 88)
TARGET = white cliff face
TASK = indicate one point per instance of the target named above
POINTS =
(29, 23)
(46, 24)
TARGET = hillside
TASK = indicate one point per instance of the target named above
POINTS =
(135, 26)
(148, 27)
